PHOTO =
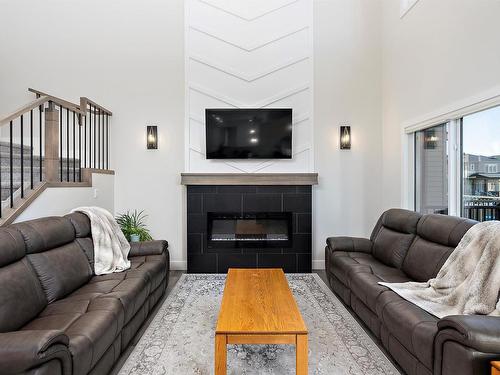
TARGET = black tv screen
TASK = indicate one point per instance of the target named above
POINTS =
(249, 133)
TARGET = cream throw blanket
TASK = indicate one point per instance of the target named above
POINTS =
(468, 282)
(111, 248)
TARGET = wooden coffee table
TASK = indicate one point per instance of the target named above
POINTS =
(258, 308)
(495, 368)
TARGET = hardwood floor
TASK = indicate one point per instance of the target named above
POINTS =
(322, 275)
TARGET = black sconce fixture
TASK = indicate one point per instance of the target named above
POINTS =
(430, 139)
(345, 137)
(152, 137)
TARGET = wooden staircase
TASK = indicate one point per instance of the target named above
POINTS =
(50, 142)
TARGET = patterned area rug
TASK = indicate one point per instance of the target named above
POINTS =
(180, 339)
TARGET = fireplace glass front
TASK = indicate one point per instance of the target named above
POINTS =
(262, 229)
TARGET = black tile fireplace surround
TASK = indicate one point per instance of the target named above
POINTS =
(249, 231)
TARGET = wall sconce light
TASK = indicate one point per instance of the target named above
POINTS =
(430, 139)
(152, 137)
(345, 137)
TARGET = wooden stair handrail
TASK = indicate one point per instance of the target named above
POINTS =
(27, 107)
(84, 101)
(66, 104)
(43, 98)
(36, 103)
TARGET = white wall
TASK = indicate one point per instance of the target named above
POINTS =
(126, 55)
(249, 54)
(239, 55)
(440, 53)
(347, 65)
(60, 201)
(129, 56)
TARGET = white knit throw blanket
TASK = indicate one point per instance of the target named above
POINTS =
(111, 248)
(468, 282)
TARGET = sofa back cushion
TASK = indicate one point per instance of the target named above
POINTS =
(81, 224)
(437, 237)
(83, 233)
(21, 295)
(45, 233)
(58, 260)
(393, 235)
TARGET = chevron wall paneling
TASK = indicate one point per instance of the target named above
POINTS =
(242, 54)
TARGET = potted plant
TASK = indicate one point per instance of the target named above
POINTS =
(132, 224)
(135, 236)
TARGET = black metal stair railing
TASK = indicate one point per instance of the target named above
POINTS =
(22, 157)
(19, 167)
(82, 142)
(11, 158)
(96, 131)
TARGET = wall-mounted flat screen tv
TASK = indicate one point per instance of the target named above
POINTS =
(249, 133)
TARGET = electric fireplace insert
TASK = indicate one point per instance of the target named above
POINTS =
(260, 229)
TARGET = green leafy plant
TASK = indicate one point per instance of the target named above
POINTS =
(133, 222)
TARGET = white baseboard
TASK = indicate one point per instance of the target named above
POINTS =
(178, 265)
(318, 264)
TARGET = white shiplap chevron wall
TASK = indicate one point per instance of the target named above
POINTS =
(249, 53)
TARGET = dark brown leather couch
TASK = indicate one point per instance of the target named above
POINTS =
(406, 246)
(56, 316)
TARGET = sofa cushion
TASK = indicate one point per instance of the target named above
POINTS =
(437, 237)
(12, 246)
(153, 266)
(150, 267)
(87, 245)
(81, 223)
(385, 273)
(413, 327)
(425, 259)
(92, 324)
(395, 233)
(365, 286)
(61, 270)
(131, 292)
(342, 264)
(45, 233)
(403, 221)
(443, 229)
(90, 337)
(21, 295)
(362, 274)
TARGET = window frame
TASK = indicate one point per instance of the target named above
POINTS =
(453, 116)
(419, 161)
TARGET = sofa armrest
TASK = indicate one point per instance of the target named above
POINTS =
(354, 244)
(148, 248)
(23, 350)
(479, 332)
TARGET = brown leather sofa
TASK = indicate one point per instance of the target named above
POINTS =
(406, 246)
(56, 316)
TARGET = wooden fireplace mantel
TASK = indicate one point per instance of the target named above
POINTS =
(249, 178)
